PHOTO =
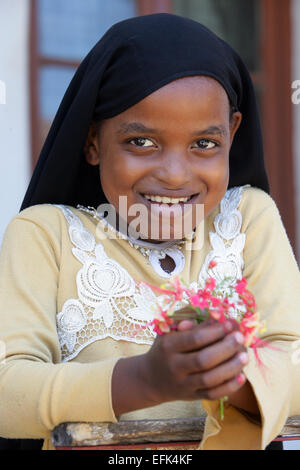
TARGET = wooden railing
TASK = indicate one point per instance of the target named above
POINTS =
(183, 433)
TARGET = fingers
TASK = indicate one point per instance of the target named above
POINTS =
(201, 361)
(214, 355)
(185, 325)
(225, 389)
(216, 377)
(198, 337)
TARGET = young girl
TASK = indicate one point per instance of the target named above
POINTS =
(161, 113)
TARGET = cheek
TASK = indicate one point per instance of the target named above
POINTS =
(118, 175)
(222, 173)
(215, 171)
(220, 176)
(217, 179)
(108, 177)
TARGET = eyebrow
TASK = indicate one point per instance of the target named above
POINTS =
(213, 130)
(129, 127)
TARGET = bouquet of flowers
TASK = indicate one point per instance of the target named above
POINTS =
(222, 302)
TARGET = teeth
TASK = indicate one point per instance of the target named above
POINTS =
(166, 200)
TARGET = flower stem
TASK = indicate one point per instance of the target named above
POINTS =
(222, 400)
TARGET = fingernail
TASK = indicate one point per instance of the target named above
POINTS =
(243, 357)
(228, 326)
(241, 378)
(239, 337)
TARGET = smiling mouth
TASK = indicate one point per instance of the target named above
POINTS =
(168, 200)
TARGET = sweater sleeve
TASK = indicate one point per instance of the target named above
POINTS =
(37, 391)
(274, 279)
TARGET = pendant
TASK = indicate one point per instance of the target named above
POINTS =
(175, 254)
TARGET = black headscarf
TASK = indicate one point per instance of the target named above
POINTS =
(134, 58)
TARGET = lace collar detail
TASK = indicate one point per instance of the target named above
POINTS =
(227, 241)
(111, 304)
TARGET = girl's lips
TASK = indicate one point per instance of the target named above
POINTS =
(165, 210)
(166, 199)
(170, 221)
(150, 203)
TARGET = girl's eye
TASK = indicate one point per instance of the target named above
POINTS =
(141, 142)
(205, 144)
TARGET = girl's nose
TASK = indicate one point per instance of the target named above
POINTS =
(174, 170)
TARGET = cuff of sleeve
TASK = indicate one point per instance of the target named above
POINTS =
(234, 432)
(271, 386)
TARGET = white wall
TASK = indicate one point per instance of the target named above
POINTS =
(14, 114)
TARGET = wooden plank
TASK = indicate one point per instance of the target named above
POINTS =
(150, 446)
(185, 431)
(128, 432)
(292, 426)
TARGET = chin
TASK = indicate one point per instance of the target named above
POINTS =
(165, 234)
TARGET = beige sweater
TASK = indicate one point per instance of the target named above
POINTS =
(70, 308)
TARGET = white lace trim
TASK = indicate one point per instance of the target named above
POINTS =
(227, 242)
(110, 304)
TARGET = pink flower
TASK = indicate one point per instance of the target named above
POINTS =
(210, 284)
(212, 264)
(162, 323)
(175, 289)
(197, 301)
(241, 286)
(215, 302)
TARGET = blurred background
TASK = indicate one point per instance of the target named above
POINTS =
(42, 42)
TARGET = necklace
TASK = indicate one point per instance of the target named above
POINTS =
(155, 253)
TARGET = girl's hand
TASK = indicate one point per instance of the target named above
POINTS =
(196, 362)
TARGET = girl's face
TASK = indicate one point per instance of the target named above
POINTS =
(173, 144)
